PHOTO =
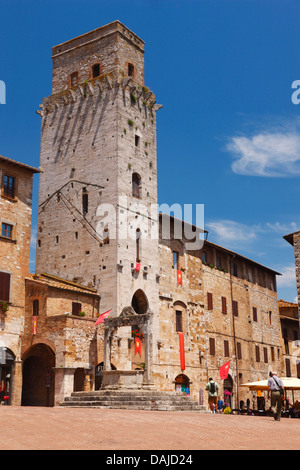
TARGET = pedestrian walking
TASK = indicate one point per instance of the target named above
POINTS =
(276, 388)
(220, 405)
(212, 388)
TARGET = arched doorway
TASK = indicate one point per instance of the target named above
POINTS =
(99, 374)
(6, 375)
(139, 302)
(228, 389)
(38, 379)
(182, 384)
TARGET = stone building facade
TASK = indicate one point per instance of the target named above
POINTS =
(101, 244)
(290, 336)
(15, 224)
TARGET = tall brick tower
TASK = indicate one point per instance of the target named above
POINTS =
(98, 152)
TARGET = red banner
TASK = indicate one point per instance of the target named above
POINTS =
(138, 267)
(181, 346)
(224, 371)
(138, 346)
(34, 325)
(179, 278)
(102, 317)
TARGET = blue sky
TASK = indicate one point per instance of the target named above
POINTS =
(228, 132)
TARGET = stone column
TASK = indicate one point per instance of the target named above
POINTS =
(148, 374)
(107, 349)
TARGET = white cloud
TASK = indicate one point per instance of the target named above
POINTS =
(288, 278)
(229, 230)
(268, 154)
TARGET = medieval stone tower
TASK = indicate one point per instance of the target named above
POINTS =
(96, 222)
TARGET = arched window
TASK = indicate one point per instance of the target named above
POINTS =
(96, 70)
(136, 185)
(139, 302)
(130, 70)
(35, 308)
(74, 79)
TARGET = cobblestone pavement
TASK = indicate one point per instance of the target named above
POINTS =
(30, 428)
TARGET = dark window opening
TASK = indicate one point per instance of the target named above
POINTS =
(96, 70)
(136, 185)
(85, 201)
(130, 70)
(76, 308)
(35, 308)
(178, 320)
(9, 186)
(137, 140)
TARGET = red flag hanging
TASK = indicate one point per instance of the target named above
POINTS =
(179, 277)
(102, 317)
(138, 346)
(138, 266)
(224, 371)
(34, 325)
(181, 346)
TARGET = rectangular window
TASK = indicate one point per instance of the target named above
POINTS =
(76, 308)
(288, 368)
(266, 356)
(226, 349)
(255, 314)
(272, 354)
(212, 346)
(235, 308)
(6, 230)
(270, 318)
(235, 269)
(85, 201)
(210, 305)
(178, 320)
(175, 259)
(9, 186)
(239, 350)
(5, 287)
(224, 305)
(257, 353)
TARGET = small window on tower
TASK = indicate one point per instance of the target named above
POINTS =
(137, 140)
(74, 79)
(85, 201)
(130, 70)
(96, 70)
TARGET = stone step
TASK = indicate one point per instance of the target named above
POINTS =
(133, 400)
(133, 406)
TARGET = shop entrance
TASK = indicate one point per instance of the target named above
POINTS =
(182, 384)
(6, 375)
(38, 379)
(228, 390)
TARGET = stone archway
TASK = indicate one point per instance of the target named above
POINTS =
(140, 302)
(182, 383)
(38, 377)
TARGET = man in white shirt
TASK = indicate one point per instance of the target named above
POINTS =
(276, 388)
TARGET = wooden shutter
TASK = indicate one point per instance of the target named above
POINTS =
(226, 348)
(266, 355)
(224, 305)
(212, 346)
(178, 320)
(288, 368)
(257, 353)
(76, 308)
(255, 314)
(209, 301)
(235, 308)
(239, 350)
(4, 287)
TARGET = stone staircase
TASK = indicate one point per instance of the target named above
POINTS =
(133, 400)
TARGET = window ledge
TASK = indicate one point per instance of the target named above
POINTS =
(9, 240)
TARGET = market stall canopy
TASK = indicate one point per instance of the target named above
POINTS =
(290, 383)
